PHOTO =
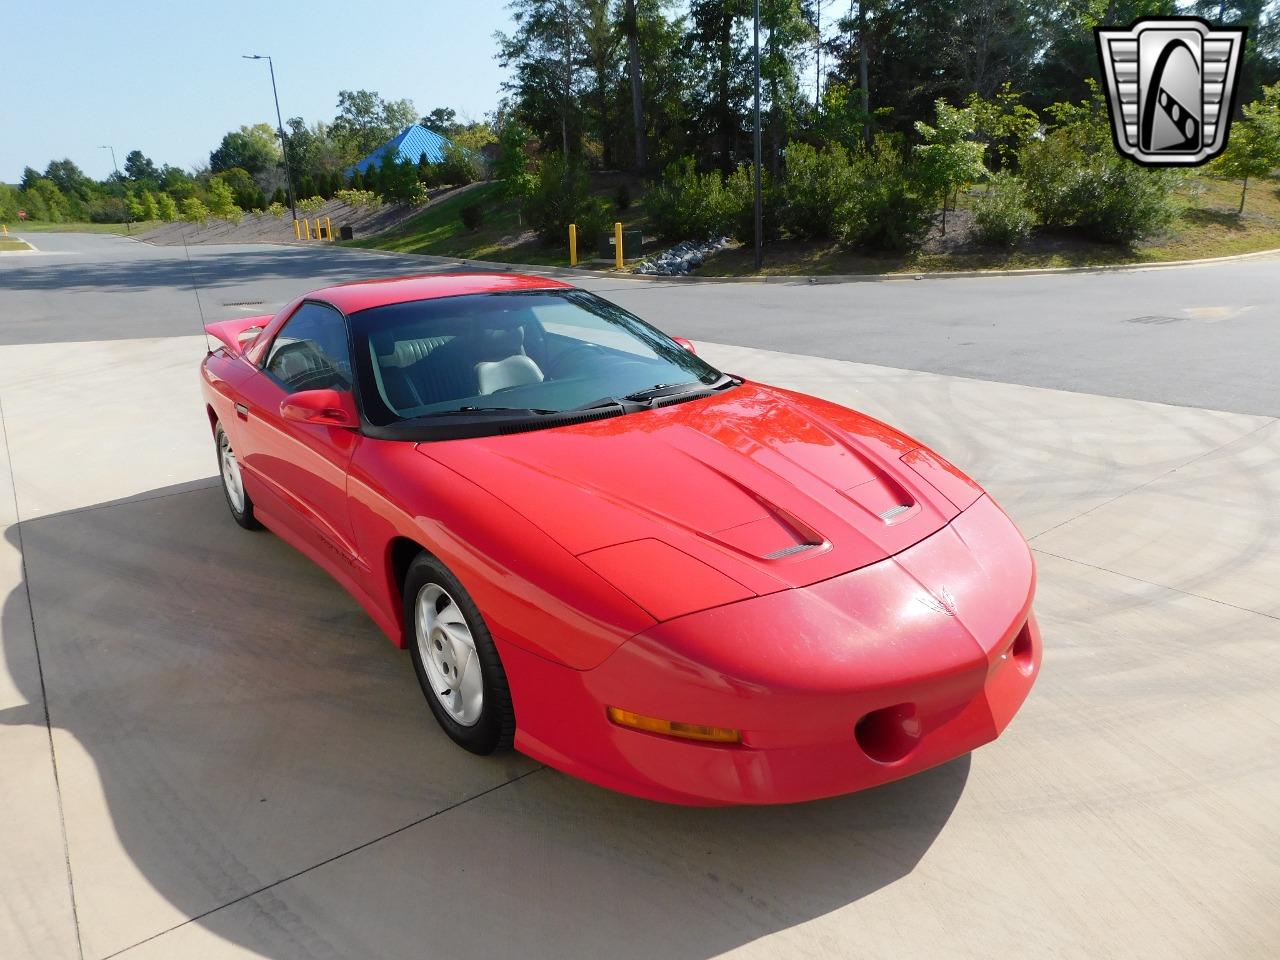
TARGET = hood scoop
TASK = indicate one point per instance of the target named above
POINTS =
(777, 535)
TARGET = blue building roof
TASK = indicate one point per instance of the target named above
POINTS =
(410, 144)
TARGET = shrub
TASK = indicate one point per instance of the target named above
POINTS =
(888, 209)
(471, 215)
(739, 205)
(277, 210)
(1055, 172)
(1130, 203)
(311, 206)
(1105, 196)
(560, 195)
(1001, 217)
(461, 166)
(688, 205)
(359, 198)
(595, 216)
(817, 184)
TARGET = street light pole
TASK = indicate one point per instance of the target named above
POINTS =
(124, 197)
(284, 144)
(759, 216)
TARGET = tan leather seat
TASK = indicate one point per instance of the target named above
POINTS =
(513, 371)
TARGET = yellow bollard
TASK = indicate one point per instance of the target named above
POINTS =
(617, 244)
(297, 230)
(328, 229)
(573, 244)
(306, 227)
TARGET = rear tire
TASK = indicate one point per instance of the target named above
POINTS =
(238, 500)
(455, 659)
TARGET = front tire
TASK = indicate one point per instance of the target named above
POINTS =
(238, 501)
(455, 659)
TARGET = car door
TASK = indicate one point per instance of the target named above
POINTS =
(301, 468)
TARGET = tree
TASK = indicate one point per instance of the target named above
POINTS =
(167, 208)
(541, 54)
(244, 190)
(50, 200)
(68, 178)
(149, 209)
(717, 42)
(253, 149)
(9, 203)
(137, 167)
(949, 156)
(222, 203)
(630, 29)
(365, 121)
(1005, 123)
(194, 211)
(513, 166)
(443, 120)
(1253, 148)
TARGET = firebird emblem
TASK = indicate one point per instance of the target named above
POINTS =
(1171, 86)
(940, 602)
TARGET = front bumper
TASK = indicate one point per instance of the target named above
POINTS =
(849, 683)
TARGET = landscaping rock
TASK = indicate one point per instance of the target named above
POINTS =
(683, 258)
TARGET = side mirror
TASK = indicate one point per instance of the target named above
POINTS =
(687, 344)
(325, 408)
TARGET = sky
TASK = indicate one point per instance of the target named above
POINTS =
(167, 78)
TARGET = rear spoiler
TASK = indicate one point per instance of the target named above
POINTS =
(237, 334)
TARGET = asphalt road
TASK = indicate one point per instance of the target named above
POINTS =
(1203, 336)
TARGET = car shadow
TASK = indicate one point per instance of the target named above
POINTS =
(269, 767)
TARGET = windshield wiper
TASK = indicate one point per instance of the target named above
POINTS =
(539, 411)
(641, 399)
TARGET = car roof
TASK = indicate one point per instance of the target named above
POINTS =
(363, 294)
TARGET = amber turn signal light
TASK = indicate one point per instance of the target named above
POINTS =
(672, 728)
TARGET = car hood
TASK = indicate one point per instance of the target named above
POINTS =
(768, 489)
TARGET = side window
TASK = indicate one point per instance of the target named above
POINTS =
(311, 352)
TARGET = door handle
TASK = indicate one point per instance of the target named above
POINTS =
(242, 411)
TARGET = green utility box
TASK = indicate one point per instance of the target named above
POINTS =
(632, 245)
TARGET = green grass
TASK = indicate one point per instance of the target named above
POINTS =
(439, 230)
(501, 237)
(136, 228)
(12, 243)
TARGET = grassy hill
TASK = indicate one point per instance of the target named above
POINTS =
(500, 236)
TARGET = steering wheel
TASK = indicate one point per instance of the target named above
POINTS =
(562, 363)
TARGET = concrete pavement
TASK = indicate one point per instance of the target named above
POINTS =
(245, 768)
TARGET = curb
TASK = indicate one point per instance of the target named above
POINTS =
(819, 278)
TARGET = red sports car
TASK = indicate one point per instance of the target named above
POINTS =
(598, 548)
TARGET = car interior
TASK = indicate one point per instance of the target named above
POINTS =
(512, 355)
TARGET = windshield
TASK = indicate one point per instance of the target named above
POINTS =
(514, 355)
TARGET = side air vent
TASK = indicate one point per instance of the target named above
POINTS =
(788, 551)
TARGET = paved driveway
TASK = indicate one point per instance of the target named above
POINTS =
(209, 751)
